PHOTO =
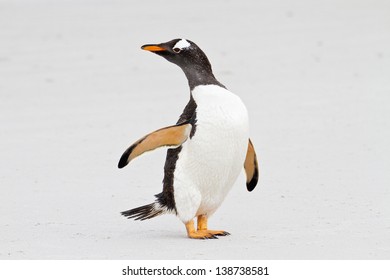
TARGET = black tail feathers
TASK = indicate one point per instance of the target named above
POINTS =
(145, 212)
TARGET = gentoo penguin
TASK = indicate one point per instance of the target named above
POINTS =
(208, 146)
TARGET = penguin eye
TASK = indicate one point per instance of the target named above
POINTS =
(176, 50)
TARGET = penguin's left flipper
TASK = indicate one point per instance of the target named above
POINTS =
(251, 167)
(165, 137)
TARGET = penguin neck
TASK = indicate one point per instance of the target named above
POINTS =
(197, 76)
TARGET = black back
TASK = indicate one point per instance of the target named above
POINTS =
(166, 198)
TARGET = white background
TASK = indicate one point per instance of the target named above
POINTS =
(76, 91)
(277, 270)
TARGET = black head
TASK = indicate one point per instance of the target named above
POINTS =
(189, 57)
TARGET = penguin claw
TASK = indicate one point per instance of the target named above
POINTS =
(203, 232)
(218, 232)
(203, 235)
(209, 234)
(222, 233)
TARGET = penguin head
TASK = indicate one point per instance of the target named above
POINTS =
(184, 53)
(189, 57)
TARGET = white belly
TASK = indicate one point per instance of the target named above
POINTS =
(211, 161)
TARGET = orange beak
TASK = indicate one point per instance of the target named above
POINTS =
(152, 48)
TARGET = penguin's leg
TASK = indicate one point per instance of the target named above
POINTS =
(202, 222)
(192, 233)
(187, 200)
(202, 227)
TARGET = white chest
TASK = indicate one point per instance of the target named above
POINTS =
(211, 161)
(222, 130)
(219, 108)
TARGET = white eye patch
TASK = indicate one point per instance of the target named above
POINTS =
(182, 44)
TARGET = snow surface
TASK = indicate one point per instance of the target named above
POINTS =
(76, 90)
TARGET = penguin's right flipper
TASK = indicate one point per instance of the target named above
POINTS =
(251, 167)
(165, 137)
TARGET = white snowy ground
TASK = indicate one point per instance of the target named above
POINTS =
(76, 90)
